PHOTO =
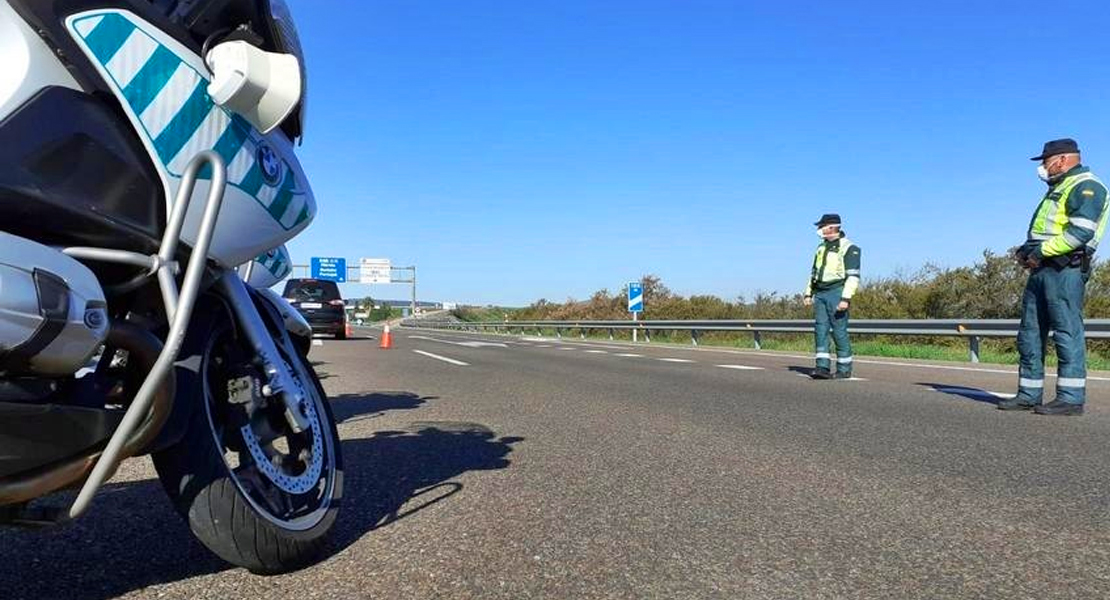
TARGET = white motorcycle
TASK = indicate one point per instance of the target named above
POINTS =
(148, 183)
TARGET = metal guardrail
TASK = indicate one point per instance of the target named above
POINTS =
(971, 329)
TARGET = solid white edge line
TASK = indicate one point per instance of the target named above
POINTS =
(772, 354)
(443, 358)
(741, 367)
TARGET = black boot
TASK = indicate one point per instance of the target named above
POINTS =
(821, 374)
(843, 375)
(1017, 404)
(1059, 408)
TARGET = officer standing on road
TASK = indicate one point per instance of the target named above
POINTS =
(1063, 236)
(832, 283)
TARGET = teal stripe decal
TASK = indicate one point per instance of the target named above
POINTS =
(301, 218)
(108, 37)
(150, 79)
(284, 197)
(252, 182)
(229, 143)
(241, 123)
(184, 124)
(227, 147)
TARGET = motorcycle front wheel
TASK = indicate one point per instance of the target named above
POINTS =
(253, 491)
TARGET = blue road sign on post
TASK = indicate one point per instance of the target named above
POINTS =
(330, 269)
(635, 297)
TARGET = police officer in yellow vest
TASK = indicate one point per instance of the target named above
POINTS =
(1063, 235)
(833, 281)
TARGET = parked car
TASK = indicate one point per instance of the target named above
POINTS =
(320, 304)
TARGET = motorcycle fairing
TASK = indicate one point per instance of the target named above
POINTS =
(161, 86)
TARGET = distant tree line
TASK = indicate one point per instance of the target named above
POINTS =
(991, 288)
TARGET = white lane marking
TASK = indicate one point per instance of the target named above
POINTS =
(772, 354)
(675, 360)
(469, 344)
(967, 391)
(596, 352)
(543, 346)
(741, 367)
(480, 344)
(443, 358)
(629, 355)
(883, 362)
(537, 339)
(565, 348)
(317, 342)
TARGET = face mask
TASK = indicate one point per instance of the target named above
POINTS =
(821, 232)
(1042, 172)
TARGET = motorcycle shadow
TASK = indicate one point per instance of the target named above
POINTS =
(348, 408)
(411, 470)
(132, 539)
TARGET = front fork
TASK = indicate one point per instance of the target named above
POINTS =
(279, 379)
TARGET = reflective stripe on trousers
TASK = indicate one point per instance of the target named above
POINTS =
(826, 318)
(1053, 300)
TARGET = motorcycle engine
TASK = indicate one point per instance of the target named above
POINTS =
(53, 316)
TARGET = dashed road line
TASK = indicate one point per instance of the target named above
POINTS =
(629, 355)
(443, 358)
(596, 351)
(741, 367)
(675, 360)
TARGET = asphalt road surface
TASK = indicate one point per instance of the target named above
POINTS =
(493, 467)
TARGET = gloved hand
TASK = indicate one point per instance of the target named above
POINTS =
(1028, 255)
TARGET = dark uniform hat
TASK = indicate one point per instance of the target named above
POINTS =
(828, 219)
(1061, 146)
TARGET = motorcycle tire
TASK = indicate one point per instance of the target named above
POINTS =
(244, 513)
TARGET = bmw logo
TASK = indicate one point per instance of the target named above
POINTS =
(270, 164)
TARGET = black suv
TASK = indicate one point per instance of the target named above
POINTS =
(320, 304)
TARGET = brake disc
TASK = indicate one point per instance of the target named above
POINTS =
(298, 484)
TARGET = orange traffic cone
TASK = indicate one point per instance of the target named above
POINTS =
(347, 329)
(387, 339)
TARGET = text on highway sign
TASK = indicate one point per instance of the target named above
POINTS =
(330, 269)
(374, 270)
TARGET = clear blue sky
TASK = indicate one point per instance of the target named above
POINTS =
(519, 150)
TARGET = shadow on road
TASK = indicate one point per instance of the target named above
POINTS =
(359, 407)
(394, 474)
(970, 393)
(132, 539)
(807, 371)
